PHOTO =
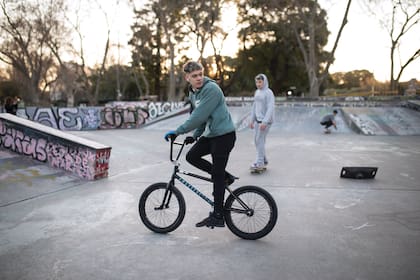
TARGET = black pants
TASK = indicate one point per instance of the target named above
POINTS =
(327, 124)
(219, 148)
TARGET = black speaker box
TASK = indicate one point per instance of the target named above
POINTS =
(359, 172)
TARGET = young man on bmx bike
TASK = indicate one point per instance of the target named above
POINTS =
(214, 134)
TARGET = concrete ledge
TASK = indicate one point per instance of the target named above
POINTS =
(414, 104)
(87, 159)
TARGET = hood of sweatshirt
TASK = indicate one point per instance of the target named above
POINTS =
(265, 83)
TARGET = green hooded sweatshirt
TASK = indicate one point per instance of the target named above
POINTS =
(210, 116)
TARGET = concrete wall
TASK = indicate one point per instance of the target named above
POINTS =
(113, 115)
(87, 159)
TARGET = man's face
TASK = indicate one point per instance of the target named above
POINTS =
(195, 78)
(259, 83)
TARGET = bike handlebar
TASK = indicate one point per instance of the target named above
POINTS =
(173, 142)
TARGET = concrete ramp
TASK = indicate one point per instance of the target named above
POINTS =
(383, 120)
(306, 120)
(300, 119)
(238, 113)
(288, 119)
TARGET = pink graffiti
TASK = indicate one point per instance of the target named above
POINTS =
(84, 162)
(102, 163)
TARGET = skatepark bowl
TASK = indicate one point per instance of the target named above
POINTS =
(55, 224)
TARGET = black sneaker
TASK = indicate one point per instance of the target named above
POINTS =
(213, 220)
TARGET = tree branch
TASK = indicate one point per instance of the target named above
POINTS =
(343, 23)
(411, 59)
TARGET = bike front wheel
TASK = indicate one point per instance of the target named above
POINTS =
(162, 209)
(250, 212)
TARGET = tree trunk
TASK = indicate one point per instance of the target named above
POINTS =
(101, 73)
(309, 52)
(157, 63)
(136, 80)
(393, 84)
(172, 82)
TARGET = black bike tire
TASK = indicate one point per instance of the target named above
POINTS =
(268, 226)
(176, 194)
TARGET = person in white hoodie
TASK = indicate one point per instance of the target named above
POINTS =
(262, 116)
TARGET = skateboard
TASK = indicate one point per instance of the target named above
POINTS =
(256, 170)
(327, 131)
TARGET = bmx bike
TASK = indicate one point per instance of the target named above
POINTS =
(250, 212)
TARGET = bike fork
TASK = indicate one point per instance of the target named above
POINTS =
(167, 197)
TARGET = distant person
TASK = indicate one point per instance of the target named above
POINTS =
(262, 116)
(328, 121)
(10, 105)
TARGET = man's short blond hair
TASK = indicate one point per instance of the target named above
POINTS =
(192, 66)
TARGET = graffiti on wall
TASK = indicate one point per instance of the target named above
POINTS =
(120, 114)
(74, 158)
(123, 117)
(113, 115)
(80, 118)
(102, 163)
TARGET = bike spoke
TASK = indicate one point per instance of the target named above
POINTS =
(161, 217)
(260, 217)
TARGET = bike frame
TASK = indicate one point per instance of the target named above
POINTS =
(175, 176)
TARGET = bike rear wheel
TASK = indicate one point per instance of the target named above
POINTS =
(162, 209)
(250, 212)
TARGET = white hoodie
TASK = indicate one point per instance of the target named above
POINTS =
(263, 106)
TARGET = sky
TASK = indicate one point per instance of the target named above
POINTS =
(364, 44)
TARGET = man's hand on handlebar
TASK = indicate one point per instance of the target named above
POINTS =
(170, 135)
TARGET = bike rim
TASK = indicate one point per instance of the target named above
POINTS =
(260, 217)
(161, 217)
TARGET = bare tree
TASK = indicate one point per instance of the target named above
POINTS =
(203, 20)
(88, 78)
(400, 18)
(303, 23)
(169, 16)
(28, 31)
(304, 26)
(218, 34)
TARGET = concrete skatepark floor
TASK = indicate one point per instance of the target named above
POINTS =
(328, 227)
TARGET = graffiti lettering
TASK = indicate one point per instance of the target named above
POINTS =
(157, 109)
(46, 117)
(84, 162)
(102, 162)
(113, 115)
(68, 119)
(123, 117)
(91, 118)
